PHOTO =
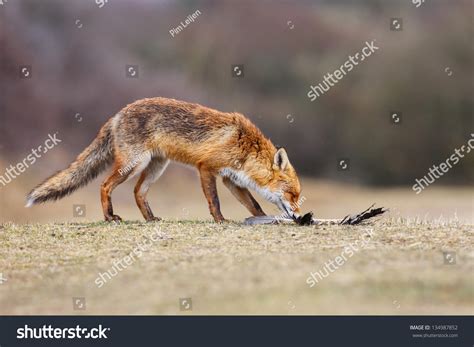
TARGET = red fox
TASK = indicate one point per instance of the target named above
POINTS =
(157, 130)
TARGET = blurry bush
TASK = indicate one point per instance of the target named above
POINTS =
(78, 54)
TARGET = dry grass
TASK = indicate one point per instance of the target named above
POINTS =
(48, 257)
(235, 269)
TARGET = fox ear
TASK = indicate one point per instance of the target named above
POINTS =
(281, 159)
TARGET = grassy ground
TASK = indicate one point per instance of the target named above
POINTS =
(235, 269)
(49, 255)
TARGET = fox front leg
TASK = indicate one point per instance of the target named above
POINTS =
(209, 187)
(244, 197)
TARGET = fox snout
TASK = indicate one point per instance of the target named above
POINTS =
(290, 207)
(289, 200)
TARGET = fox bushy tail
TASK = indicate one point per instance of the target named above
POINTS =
(92, 161)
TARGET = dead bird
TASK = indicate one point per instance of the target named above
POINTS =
(308, 219)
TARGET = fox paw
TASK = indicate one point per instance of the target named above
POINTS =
(113, 218)
(153, 219)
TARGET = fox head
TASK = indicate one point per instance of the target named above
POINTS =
(274, 178)
(285, 186)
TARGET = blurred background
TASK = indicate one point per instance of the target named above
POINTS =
(77, 53)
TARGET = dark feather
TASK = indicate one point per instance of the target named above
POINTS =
(307, 219)
(369, 213)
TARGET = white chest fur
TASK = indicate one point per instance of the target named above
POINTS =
(241, 179)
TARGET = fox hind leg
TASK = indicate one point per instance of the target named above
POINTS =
(151, 173)
(109, 184)
(119, 175)
(244, 197)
